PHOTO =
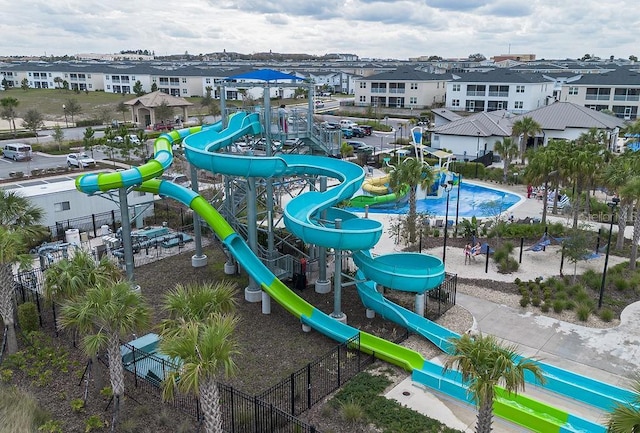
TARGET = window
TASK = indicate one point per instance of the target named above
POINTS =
(414, 86)
(573, 90)
(363, 85)
(363, 98)
(62, 206)
(184, 91)
(413, 100)
(207, 80)
(519, 89)
(184, 80)
(456, 87)
(518, 105)
(455, 102)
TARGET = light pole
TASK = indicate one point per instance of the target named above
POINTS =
(612, 204)
(447, 189)
(477, 153)
(64, 108)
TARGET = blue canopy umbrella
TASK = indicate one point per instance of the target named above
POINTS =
(264, 75)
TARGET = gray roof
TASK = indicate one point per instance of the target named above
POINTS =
(406, 74)
(500, 76)
(565, 115)
(621, 76)
(484, 124)
(445, 114)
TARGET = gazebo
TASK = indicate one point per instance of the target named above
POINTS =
(143, 107)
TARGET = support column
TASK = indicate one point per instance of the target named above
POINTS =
(323, 285)
(252, 291)
(419, 307)
(126, 233)
(223, 105)
(337, 283)
(230, 266)
(199, 259)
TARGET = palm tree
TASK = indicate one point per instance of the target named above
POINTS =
(414, 173)
(18, 228)
(527, 127)
(106, 313)
(196, 302)
(70, 278)
(486, 363)
(198, 332)
(626, 418)
(614, 177)
(9, 105)
(205, 350)
(543, 168)
(631, 192)
(508, 150)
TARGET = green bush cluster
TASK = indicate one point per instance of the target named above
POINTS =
(363, 394)
(502, 256)
(28, 317)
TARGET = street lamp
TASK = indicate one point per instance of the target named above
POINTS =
(64, 108)
(477, 153)
(612, 204)
(447, 189)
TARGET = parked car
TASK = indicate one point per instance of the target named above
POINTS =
(366, 129)
(358, 132)
(80, 160)
(330, 125)
(345, 123)
(261, 144)
(117, 139)
(133, 138)
(163, 126)
(292, 142)
(347, 133)
(318, 104)
(17, 151)
(360, 147)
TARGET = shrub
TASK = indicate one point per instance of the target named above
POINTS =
(28, 317)
(591, 279)
(545, 307)
(569, 305)
(535, 301)
(51, 426)
(621, 284)
(524, 301)
(583, 311)
(558, 305)
(92, 423)
(77, 405)
(606, 314)
(352, 412)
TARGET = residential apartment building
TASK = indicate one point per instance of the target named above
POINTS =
(401, 88)
(499, 89)
(615, 90)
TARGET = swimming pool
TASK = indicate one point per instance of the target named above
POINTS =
(475, 200)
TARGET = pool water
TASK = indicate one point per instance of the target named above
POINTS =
(475, 200)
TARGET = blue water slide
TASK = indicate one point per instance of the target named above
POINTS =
(563, 382)
(312, 217)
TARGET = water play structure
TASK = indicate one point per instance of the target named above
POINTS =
(376, 192)
(313, 217)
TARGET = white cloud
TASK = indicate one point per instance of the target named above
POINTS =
(368, 28)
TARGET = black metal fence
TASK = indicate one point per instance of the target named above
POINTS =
(440, 300)
(91, 224)
(309, 385)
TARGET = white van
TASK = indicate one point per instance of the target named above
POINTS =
(17, 151)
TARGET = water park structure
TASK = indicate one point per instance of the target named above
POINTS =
(312, 217)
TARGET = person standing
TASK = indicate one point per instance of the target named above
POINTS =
(282, 118)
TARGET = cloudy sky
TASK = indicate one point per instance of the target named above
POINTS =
(368, 28)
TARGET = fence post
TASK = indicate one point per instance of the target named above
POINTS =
(233, 411)
(38, 305)
(292, 381)
(308, 386)
(339, 367)
(93, 222)
(135, 366)
(113, 221)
